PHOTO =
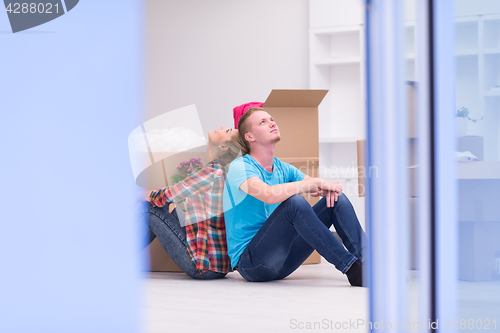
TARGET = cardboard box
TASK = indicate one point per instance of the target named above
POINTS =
(157, 175)
(310, 168)
(296, 113)
(314, 258)
(160, 261)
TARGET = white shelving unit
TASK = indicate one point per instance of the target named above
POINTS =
(478, 77)
(337, 63)
(477, 50)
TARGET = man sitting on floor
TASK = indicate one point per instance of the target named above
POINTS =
(271, 229)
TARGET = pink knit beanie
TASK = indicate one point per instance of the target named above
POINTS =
(241, 109)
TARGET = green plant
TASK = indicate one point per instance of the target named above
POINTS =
(464, 113)
(185, 169)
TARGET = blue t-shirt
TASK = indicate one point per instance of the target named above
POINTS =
(244, 214)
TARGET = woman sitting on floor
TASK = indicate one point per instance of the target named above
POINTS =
(199, 248)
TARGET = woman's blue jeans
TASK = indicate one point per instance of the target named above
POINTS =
(158, 222)
(294, 230)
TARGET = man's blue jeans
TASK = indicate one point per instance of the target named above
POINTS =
(294, 230)
(158, 222)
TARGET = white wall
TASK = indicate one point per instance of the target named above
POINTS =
(218, 54)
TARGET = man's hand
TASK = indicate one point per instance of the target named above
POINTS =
(329, 189)
(330, 185)
(331, 196)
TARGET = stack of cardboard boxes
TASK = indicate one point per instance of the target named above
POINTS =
(296, 113)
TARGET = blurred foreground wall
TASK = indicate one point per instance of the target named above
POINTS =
(71, 91)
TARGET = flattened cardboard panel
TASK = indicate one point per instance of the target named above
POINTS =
(299, 131)
(294, 98)
(314, 258)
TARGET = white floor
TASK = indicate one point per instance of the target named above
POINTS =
(316, 296)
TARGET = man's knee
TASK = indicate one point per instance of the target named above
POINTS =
(297, 200)
(298, 204)
(342, 199)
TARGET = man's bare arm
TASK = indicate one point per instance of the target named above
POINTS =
(279, 193)
(331, 196)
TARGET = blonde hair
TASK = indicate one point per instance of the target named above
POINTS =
(234, 149)
(244, 128)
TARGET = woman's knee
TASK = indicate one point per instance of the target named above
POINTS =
(161, 222)
(143, 208)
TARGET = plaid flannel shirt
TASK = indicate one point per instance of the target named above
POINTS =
(205, 227)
